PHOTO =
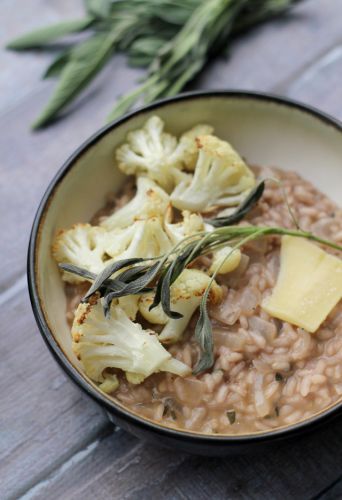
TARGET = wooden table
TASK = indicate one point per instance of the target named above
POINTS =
(54, 442)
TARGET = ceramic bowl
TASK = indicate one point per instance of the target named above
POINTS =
(266, 130)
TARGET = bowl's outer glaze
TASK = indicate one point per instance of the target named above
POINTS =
(266, 130)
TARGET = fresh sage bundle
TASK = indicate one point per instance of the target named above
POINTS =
(172, 39)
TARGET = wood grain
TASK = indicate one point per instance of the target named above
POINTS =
(289, 471)
(276, 52)
(59, 441)
(109, 474)
(20, 72)
(320, 84)
(44, 418)
(332, 492)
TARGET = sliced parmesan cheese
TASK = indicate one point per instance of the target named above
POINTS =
(309, 284)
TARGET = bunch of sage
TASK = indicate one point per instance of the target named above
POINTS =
(172, 39)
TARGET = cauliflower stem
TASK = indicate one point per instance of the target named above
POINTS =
(117, 342)
(186, 295)
(150, 201)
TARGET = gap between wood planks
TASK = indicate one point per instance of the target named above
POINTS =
(325, 493)
(60, 468)
(145, 471)
(9, 293)
(139, 466)
(310, 68)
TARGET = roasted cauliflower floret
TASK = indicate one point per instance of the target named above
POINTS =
(117, 342)
(149, 201)
(225, 260)
(144, 238)
(192, 223)
(81, 245)
(186, 295)
(186, 152)
(130, 305)
(219, 175)
(148, 152)
(156, 316)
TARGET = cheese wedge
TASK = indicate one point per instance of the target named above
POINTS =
(309, 284)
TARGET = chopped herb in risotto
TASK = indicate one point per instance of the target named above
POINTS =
(206, 295)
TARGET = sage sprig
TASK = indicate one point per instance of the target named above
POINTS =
(108, 271)
(172, 39)
(110, 287)
(239, 213)
(136, 276)
(39, 38)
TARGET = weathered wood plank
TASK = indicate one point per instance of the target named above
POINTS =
(20, 72)
(270, 54)
(320, 84)
(44, 418)
(103, 475)
(120, 446)
(297, 470)
(334, 492)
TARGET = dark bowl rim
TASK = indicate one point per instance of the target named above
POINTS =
(67, 366)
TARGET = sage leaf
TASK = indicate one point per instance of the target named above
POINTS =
(107, 284)
(170, 277)
(107, 272)
(231, 415)
(57, 65)
(143, 278)
(246, 206)
(40, 37)
(98, 8)
(132, 281)
(138, 61)
(79, 271)
(204, 336)
(184, 78)
(110, 296)
(124, 103)
(157, 294)
(175, 12)
(165, 296)
(147, 46)
(131, 274)
(80, 70)
(88, 275)
(173, 39)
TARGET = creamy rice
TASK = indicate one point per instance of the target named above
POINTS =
(267, 373)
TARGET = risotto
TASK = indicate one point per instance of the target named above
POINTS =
(265, 372)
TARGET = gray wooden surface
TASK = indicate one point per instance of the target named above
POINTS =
(55, 443)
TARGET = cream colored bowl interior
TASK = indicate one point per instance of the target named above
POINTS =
(265, 132)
